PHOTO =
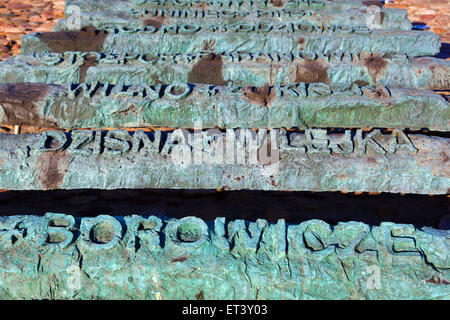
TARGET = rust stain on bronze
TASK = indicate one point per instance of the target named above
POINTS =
(361, 83)
(89, 61)
(301, 42)
(277, 3)
(369, 3)
(52, 167)
(179, 259)
(376, 65)
(85, 40)
(381, 17)
(202, 6)
(18, 101)
(311, 72)
(437, 280)
(263, 96)
(156, 22)
(208, 71)
(378, 92)
(156, 80)
(200, 295)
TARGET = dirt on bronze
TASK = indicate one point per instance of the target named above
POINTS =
(156, 22)
(85, 40)
(376, 65)
(262, 96)
(18, 104)
(208, 71)
(312, 72)
(52, 167)
(369, 3)
(88, 61)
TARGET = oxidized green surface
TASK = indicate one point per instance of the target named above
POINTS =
(186, 105)
(388, 19)
(120, 5)
(140, 257)
(232, 160)
(218, 69)
(185, 38)
(135, 257)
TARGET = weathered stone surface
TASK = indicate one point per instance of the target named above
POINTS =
(186, 105)
(234, 160)
(250, 69)
(244, 37)
(389, 19)
(134, 257)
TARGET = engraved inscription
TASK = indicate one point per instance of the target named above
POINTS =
(219, 146)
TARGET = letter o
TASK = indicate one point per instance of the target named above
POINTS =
(150, 29)
(228, 13)
(146, 60)
(245, 27)
(57, 136)
(51, 59)
(101, 233)
(128, 29)
(187, 232)
(189, 28)
(172, 90)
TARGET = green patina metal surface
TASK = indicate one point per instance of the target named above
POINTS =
(119, 5)
(253, 69)
(190, 39)
(388, 19)
(136, 257)
(188, 106)
(231, 160)
(225, 64)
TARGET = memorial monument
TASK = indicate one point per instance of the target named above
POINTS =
(280, 95)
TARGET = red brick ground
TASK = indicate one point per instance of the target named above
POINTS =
(18, 17)
(434, 13)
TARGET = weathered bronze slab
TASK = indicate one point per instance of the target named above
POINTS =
(244, 37)
(232, 160)
(389, 19)
(120, 5)
(188, 106)
(249, 69)
(134, 257)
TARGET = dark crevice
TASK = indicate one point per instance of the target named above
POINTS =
(294, 207)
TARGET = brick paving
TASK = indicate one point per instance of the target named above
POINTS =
(18, 17)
